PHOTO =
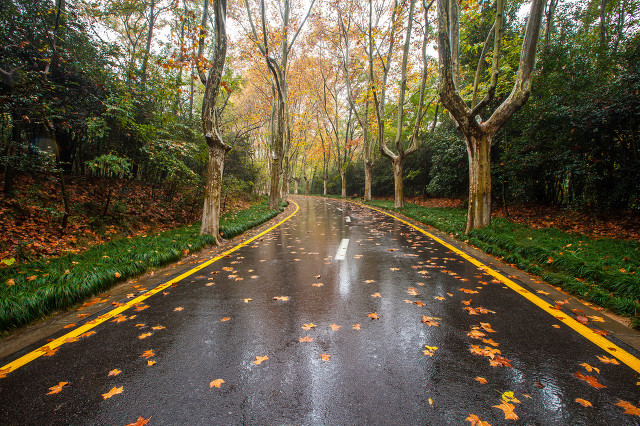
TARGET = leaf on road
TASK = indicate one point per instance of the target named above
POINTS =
(590, 368)
(140, 421)
(487, 327)
(376, 295)
(466, 290)
(141, 308)
(356, 326)
(144, 335)
(373, 315)
(260, 359)
(217, 383)
(509, 397)
(281, 298)
(629, 408)
(114, 372)
(317, 284)
(113, 391)
(438, 297)
(369, 281)
(325, 357)
(592, 380)
(583, 402)
(48, 351)
(476, 334)
(335, 327)
(508, 410)
(225, 319)
(481, 380)
(148, 354)
(596, 318)
(476, 421)
(158, 327)
(178, 309)
(542, 292)
(430, 350)
(412, 291)
(247, 300)
(305, 339)
(608, 360)
(501, 361)
(602, 333)
(429, 321)
(308, 326)
(418, 303)
(57, 388)
(69, 325)
(151, 362)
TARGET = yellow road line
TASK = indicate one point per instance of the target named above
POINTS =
(77, 332)
(604, 344)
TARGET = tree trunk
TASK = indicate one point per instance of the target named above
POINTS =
(285, 180)
(147, 51)
(324, 185)
(306, 186)
(10, 171)
(397, 182)
(479, 150)
(274, 188)
(343, 179)
(296, 185)
(368, 173)
(213, 191)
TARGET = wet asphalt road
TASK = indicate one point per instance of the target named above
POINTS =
(448, 343)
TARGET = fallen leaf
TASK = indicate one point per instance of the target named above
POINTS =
(247, 300)
(412, 291)
(481, 380)
(592, 380)
(467, 302)
(376, 295)
(370, 281)
(508, 410)
(57, 388)
(356, 326)
(117, 274)
(10, 281)
(151, 362)
(335, 327)
(602, 333)
(113, 391)
(225, 319)
(325, 357)
(583, 402)
(144, 335)
(217, 383)
(476, 334)
(317, 284)
(582, 319)
(487, 327)
(140, 421)
(305, 339)
(430, 350)
(140, 325)
(589, 368)
(466, 290)
(509, 397)
(281, 298)
(373, 315)
(418, 303)
(542, 292)
(114, 372)
(158, 327)
(308, 326)
(608, 360)
(178, 309)
(476, 421)
(501, 361)
(260, 359)
(143, 307)
(629, 408)
(438, 297)
(69, 325)
(429, 321)
(596, 318)
(148, 354)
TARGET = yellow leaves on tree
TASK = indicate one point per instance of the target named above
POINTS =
(112, 392)
(57, 388)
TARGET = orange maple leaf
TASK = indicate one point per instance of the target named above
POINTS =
(356, 326)
(376, 295)
(225, 319)
(467, 302)
(373, 315)
(260, 359)
(325, 357)
(487, 327)
(418, 303)
(151, 362)
(476, 421)
(305, 339)
(69, 325)
(608, 360)
(48, 351)
(429, 321)
(476, 334)
(113, 391)
(592, 380)
(142, 308)
(217, 383)
(140, 421)
(178, 309)
(144, 335)
(438, 297)
(412, 291)
(147, 354)
(629, 408)
(466, 290)
(584, 402)
(590, 368)
(481, 380)
(158, 327)
(114, 372)
(317, 284)
(308, 326)
(508, 410)
(499, 360)
(335, 327)
(57, 388)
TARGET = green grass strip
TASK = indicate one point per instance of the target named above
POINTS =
(47, 285)
(600, 270)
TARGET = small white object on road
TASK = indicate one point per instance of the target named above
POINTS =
(342, 249)
(348, 219)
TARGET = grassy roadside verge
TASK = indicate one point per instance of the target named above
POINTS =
(33, 290)
(603, 271)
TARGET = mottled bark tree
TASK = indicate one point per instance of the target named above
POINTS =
(479, 133)
(217, 149)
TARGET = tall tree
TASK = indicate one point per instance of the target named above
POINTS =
(477, 132)
(216, 148)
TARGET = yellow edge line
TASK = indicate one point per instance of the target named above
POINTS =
(606, 345)
(36, 353)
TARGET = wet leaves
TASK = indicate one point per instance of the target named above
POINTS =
(112, 392)
(430, 350)
(481, 380)
(592, 380)
(281, 298)
(629, 408)
(114, 372)
(356, 326)
(325, 357)
(430, 321)
(476, 421)
(260, 359)
(583, 402)
(608, 360)
(57, 388)
(308, 326)
(148, 354)
(216, 383)
(140, 421)
(507, 408)
(373, 315)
